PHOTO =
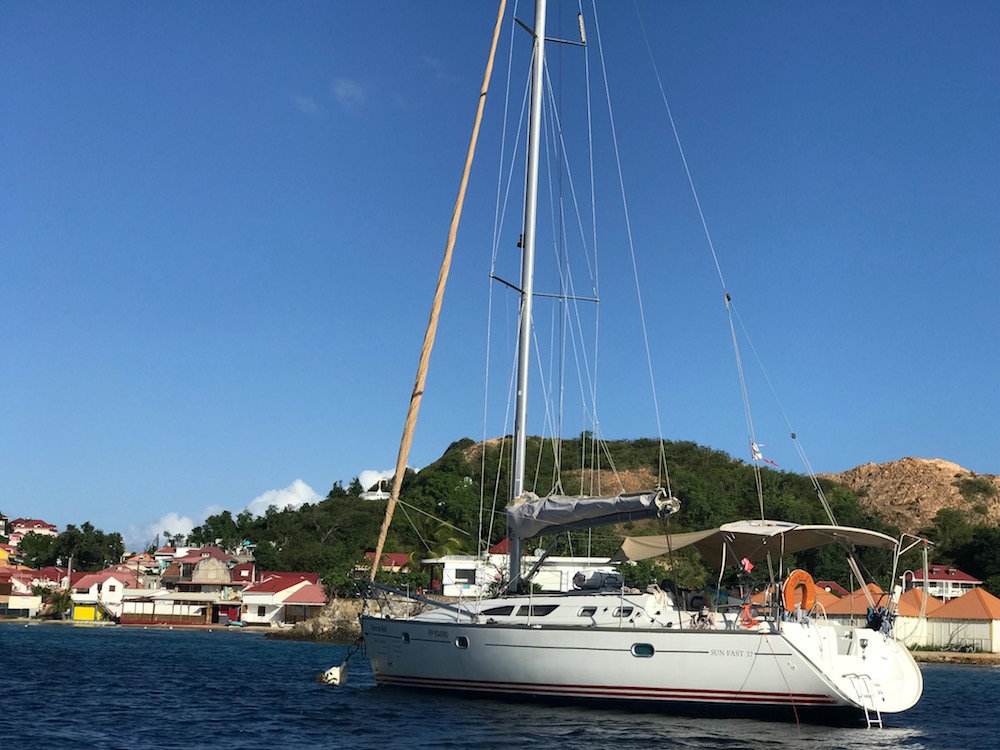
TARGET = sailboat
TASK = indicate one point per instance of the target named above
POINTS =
(656, 649)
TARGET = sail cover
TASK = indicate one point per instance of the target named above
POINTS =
(530, 516)
(752, 540)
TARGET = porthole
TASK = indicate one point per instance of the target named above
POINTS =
(462, 642)
(587, 612)
(406, 637)
(622, 612)
(644, 650)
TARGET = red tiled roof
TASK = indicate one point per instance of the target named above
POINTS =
(943, 573)
(33, 523)
(501, 548)
(243, 572)
(833, 587)
(391, 559)
(273, 583)
(311, 577)
(128, 580)
(309, 594)
(197, 555)
(52, 573)
(977, 604)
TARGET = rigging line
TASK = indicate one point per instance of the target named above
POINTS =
(425, 352)
(503, 196)
(746, 407)
(415, 529)
(499, 212)
(798, 445)
(680, 148)
(596, 273)
(711, 245)
(431, 516)
(571, 313)
(628, 223)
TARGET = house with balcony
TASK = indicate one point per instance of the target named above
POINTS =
(944, 582)
(21, 527)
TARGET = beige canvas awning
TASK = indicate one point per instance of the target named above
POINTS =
(753, 540)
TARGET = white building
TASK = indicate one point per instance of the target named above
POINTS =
(471, 576)
(944, 582)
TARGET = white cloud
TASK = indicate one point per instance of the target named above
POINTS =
(369, 477)
(349, 94)
(293, 496)
(138, 537)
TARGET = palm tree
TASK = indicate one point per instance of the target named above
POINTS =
(57, 601)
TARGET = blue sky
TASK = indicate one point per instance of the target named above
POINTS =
(220, 227)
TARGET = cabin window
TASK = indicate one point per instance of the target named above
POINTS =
(587, 612)
(462, 642)
(536, 610)
(644, 650)
(499, 610)
(465, 576)
(406, 637)
(622, 612)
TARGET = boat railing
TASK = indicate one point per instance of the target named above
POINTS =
(382, 593)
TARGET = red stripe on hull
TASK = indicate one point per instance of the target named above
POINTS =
(608, 691)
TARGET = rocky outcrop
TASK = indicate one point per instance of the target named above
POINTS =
(337, 622)
(911, 491)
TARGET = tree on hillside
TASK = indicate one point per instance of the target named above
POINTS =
(222, 530)
(38, 550)
(90, 548)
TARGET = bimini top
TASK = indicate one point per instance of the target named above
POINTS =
(530, 516)
(752, 540)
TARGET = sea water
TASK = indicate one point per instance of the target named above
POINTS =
(70, 688)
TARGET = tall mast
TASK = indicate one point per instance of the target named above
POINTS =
(527, 281)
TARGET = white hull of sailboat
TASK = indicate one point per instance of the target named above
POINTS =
(760, 671)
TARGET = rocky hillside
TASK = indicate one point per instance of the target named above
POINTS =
(911, 491)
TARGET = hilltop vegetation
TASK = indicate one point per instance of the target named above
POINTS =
(441, 507)
(444, 506)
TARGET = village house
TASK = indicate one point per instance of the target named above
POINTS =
(944, 582)
(282, 599)
(99, 596)
(190, 585)
(393, 562)
(21, 527)
(468, 575)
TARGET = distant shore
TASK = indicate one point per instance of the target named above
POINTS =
(951, 657)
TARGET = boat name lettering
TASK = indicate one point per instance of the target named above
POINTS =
(730, 652)
(437, 634)
(378, 627)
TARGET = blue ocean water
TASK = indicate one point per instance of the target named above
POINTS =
(76, 688)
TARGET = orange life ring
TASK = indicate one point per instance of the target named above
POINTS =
(796, 579)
